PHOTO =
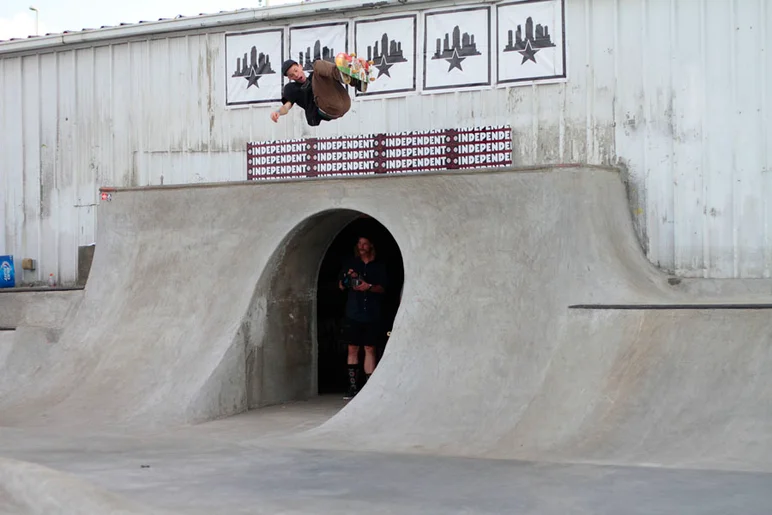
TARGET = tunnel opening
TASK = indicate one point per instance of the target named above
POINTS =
(332, 363)
(292, 332)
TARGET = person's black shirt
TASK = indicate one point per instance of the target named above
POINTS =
(303, 96)
(365, 306)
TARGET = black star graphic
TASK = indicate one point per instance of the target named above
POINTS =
(455, 61)
(383, 67)
(529, 53)
(253, 77)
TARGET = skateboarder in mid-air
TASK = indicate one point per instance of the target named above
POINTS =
(322, 94)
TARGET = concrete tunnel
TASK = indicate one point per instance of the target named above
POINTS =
(301, 281)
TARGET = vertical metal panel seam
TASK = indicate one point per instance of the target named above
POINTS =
(735, 120)
(131, 116)
(39, 207)
(3, 172)
(589, 80)
(93, 134)
(187, 107)
(765, 170)
(146, 179)
(615, 87)
(54, 200)
(10, 215)
(110, 160)
(562, 122)
(705, 142)
(4, 176)
(22, 222)
(54, 151)
(168, 111)
(5, 164)
(652, 249)
(534, 124)
(671, 141)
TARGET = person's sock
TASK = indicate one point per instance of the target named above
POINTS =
(352, 377)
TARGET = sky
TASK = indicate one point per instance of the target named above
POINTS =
(18, 21)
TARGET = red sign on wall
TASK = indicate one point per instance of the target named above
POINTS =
(393, 153)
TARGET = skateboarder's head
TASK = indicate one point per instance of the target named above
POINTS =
(293, 71)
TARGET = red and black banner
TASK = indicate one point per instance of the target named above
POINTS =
(392, 153)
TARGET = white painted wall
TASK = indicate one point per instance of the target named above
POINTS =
(675, 91)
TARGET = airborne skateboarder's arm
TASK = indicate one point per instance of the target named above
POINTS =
(282, 111)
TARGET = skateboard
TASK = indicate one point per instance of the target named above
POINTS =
(355, 71)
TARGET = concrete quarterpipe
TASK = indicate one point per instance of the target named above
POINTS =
(201, 301)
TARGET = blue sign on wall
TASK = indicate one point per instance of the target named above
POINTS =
(7, 273)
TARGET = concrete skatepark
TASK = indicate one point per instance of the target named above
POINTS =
(538, 362)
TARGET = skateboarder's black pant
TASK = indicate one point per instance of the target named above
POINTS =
(330, 95)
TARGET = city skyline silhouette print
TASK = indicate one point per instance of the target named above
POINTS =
(457, 48)
(312, 42)
(253, 66)
(390, 43)
(531, 41)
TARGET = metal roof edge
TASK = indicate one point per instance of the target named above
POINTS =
(222, 19)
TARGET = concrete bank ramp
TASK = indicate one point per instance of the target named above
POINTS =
(31, 321)
(491, 360)
(201, 303)
(684, 388)
(30, 489)
(22, 351)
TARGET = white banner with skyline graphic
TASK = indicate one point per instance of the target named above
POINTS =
(324, 41)
(253, 66)
(530, 41)
(390, 44)
(457, 48)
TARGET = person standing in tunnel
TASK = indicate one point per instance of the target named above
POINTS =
(365, 278)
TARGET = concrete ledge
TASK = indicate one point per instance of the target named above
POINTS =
(705, 306)
(37, 307)
(753, 290)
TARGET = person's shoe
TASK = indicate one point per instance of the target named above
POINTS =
(352, 392)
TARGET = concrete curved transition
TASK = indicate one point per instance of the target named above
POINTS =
(201, 304)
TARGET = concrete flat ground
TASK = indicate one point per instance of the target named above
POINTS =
(222, 467)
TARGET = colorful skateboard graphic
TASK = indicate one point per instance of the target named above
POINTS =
(355, 71)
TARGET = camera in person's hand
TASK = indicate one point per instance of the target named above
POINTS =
(350, 281)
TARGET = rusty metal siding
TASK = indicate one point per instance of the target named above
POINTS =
(674, 92)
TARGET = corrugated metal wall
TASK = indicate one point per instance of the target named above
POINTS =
(675, 91)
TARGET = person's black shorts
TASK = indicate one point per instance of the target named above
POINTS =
(368, 334)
